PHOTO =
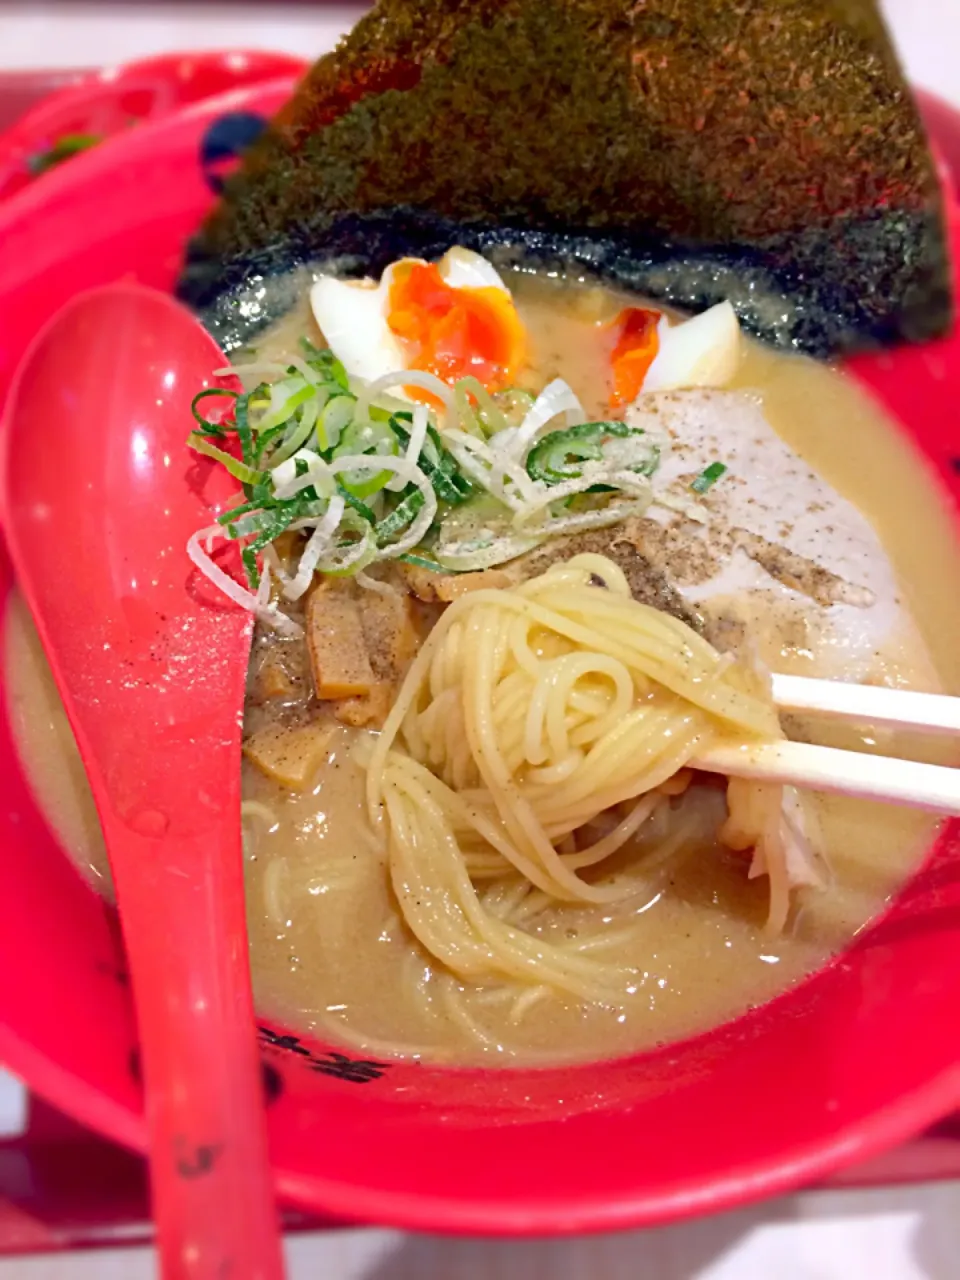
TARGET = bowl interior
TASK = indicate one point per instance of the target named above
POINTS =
(816, 1078)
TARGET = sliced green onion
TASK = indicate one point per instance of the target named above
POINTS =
(357, 504)
(265, 440)
(365, 436)
(298, 475)
(437, 465)
(378, 502)
(487, 417)
(70, 144)
(349, 556)
(473, 554)
(468, 418)
(335, 419)
(355, 485)
(228, 517)
(338, 373)
(708, 477)
(399, 517)
(261, 493)
(248, 558)
(241, 424)
(514, 404)
(257, 522)
(383, 412)
(251, 517)
(207, 427)
(369, 438)
(298, 436)
(239, 470)
(560, 456)
(421, 562)
(290, 405)
(271, 529)
(325, 362)
(599, 518)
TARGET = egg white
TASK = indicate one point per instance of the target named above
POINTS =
(352, 314)
(703, 351)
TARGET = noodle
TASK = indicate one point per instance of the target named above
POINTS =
(528, 713)
(271, 890)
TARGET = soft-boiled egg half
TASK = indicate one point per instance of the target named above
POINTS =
(453, 318)
(456, 318)
(651, 354)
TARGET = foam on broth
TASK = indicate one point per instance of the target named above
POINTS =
(330, 956)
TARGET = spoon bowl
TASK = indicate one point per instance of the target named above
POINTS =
(100, 495)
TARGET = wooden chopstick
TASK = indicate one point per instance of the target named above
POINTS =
(899, 708)
(933, 787)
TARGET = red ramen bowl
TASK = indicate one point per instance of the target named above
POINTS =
(109, 102)
(853, 1060)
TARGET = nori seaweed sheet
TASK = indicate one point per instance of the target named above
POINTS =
(765, 151)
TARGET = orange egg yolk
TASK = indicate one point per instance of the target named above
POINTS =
(453, 333)
(636, 348)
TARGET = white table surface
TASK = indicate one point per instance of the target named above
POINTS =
(901, 1234)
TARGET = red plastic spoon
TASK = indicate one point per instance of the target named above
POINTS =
(100, 496)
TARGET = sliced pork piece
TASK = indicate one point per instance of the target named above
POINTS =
(768, 558)
(647, 575)
(444, 588)
(625, 544)
(769, 552)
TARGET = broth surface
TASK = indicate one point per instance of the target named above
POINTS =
(330, 955)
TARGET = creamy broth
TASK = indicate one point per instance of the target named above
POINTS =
(331, 956)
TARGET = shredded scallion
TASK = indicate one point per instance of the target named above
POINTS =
(708, 477)
(360, 478)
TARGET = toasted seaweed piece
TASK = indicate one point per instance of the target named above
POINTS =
(765, 151)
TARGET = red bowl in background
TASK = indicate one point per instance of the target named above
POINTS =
(852, 1061)
(21, 91)
(101, 104)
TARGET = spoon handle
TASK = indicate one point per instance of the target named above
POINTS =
(186, 945)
